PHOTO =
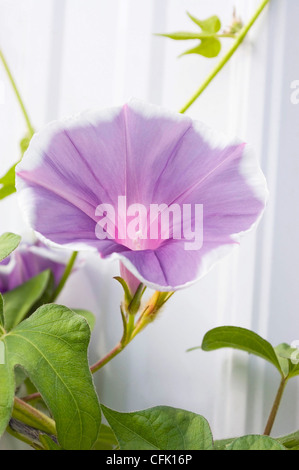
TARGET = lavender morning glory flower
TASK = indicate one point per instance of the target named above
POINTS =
(164, 194)
(27, 261)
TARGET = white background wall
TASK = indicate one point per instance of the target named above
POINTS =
(69, 55)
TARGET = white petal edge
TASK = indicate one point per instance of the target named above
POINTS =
(249, 169)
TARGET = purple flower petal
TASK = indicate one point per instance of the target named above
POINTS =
(26, 262)
(150, 156)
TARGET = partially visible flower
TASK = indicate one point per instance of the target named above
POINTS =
(131, 281)
(147, 156)
(26, 262)
(236, 24)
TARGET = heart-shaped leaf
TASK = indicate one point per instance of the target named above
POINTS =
(242, 339)
(290, 442)
(8, 243)
(25, 299)
(255, 442)
(160, 428)
(51, 346)
(222, 444)
(89, 317)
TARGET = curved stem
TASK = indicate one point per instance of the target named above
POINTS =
(32, 417)
(32, 397)
(114, 352)
(131, 329)
(17, 93)
(239, 39)
(65, 276)
(275, 407)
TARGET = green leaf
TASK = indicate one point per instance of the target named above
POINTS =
(25, 299)
(284, 362)
(8, 180)
(24, 144)
(8, 183)
(106, 439)
(20, 376)
(222, 444)
(2, 355)
(6, 191)
(294, 370)
(184, 35)
(289, 359)
(160, 428)
(89, 317)
(211, 25)
(255, 442)
(51, 346)
(210, 48)
(242, 339)
(48, 443)
(8, 243)
(291, 441)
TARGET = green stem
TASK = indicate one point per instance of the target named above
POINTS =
(65, 276)
(33, 417)
(275, 407)
(131, 329)
(132, 332)
(102, 362)
(32, 397)
(226, 35)
(17, 93)
(239, 39)
(131, 326)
